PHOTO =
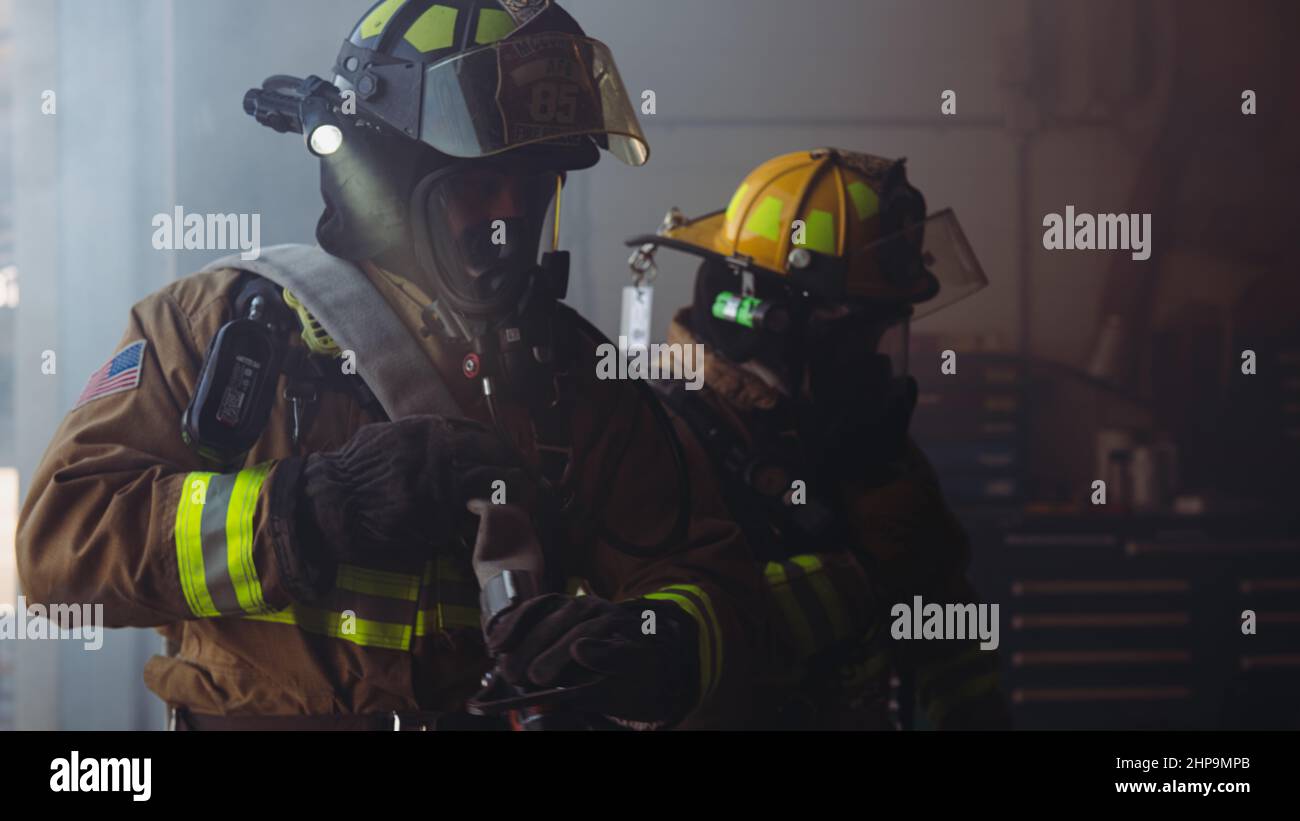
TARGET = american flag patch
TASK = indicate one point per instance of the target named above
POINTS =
(119, 374)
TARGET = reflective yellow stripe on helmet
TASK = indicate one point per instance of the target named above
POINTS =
(434, 29)
(736, 199)
(377, 20)
(820, 236)
(765, 220)
(493, 25)
(214, 542)
(865, 201)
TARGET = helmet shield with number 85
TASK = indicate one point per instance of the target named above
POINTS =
(549, 88)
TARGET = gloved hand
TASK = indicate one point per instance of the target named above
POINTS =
(555, 640)
(395, 488)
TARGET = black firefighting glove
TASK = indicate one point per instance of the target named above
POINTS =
(635, 676)
(396, 488)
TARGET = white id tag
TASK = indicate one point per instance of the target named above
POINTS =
(638, 310)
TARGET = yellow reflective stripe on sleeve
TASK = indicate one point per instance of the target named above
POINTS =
(214, 542)
(445, 617)
(706, 648)
(710, 632)
(362, 632)
(454, 595)
(402, 586)
(713, 621)
(778, 582)
(189, 545)
(814, 572)
(434, 29)
(239, 538)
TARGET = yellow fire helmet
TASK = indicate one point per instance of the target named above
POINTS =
(833, 224)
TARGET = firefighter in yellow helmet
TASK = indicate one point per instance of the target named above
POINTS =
(808, 280)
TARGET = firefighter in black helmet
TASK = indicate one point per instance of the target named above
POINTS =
(318, 575)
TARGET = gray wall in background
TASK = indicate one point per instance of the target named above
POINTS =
(87, 181)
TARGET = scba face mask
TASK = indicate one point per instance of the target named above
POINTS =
(480, 228)
(466, 232)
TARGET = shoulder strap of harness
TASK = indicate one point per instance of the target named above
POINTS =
(355, 314)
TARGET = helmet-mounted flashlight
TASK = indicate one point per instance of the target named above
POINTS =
(309, 107)
(325, 139)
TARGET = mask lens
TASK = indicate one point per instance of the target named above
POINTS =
(486, 226)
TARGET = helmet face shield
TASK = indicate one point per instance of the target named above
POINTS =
(542, 88)
(484, 225)
(944, 272)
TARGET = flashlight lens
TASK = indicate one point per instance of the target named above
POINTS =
(325, 140)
